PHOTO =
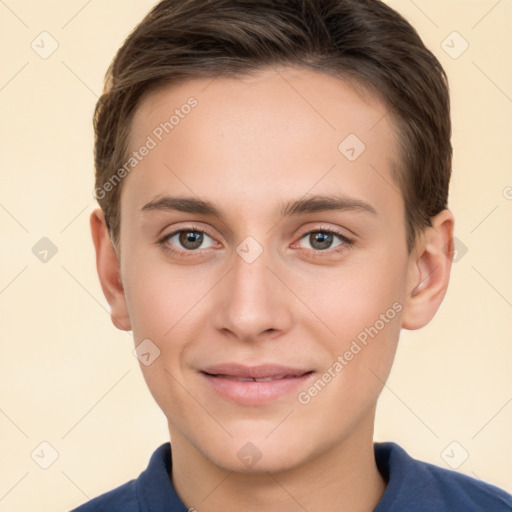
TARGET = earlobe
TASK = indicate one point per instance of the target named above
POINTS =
(429, 272)
(109, 271)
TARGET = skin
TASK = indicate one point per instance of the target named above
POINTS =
(249, 146)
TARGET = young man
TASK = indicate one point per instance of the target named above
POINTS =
(273, 181)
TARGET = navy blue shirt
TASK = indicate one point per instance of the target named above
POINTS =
(412, 486)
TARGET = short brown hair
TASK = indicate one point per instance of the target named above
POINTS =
(361, 40)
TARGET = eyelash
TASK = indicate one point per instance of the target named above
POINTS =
(345, 245)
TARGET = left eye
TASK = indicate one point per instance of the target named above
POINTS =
(188, 239)
(321, 240)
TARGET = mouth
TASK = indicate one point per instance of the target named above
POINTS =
(250, 379)
(267, 371)
(255, 385)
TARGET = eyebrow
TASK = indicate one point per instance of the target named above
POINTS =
(313, 204)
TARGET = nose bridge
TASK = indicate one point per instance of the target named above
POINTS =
(250, 278)
(252, 301)
(250, 291)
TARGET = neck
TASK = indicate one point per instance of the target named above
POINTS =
(342, 477)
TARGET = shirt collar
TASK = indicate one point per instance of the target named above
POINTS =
(156, 493)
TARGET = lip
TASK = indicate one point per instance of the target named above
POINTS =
(222, 380)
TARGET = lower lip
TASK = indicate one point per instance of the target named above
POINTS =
(255, 393)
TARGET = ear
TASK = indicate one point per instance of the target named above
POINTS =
(109, 271)
(429, 272)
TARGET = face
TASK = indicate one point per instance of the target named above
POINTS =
(263, 235)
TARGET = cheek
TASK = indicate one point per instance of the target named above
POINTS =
(164, 305)
(159, 299)
(361, 306)
(353, 297)
(359, 362)
(160, 306)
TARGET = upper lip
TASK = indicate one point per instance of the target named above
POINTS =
(256, 372)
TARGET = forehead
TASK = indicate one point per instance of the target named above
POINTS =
(284, 132)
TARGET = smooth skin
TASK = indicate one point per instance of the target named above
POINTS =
(251, 145)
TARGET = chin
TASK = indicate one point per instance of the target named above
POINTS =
(241, 455)
(270, 464)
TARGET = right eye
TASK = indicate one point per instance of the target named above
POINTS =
(185, 240)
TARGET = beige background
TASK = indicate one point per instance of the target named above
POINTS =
(69, 378)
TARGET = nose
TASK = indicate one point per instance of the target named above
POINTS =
(252, 302)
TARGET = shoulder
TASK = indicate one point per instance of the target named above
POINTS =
(423, 487)
(152, 490)
(469, 493)
(120, 499)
